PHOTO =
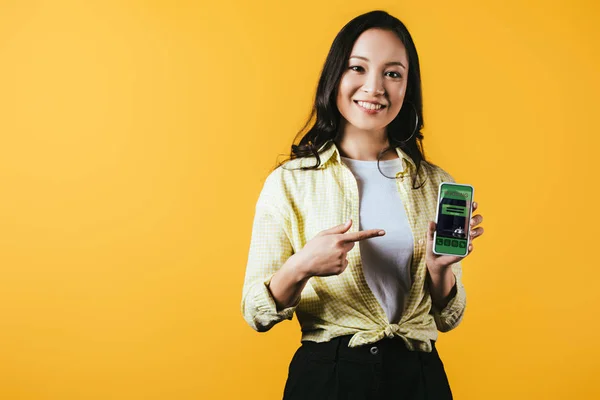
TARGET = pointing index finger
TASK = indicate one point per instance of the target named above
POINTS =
(362, 235)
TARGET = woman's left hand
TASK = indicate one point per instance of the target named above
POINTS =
(438, 263)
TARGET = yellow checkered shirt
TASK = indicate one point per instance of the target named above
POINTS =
(294, 206)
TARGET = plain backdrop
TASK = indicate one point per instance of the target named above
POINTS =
(135, 137)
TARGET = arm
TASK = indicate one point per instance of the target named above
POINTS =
(445, 283)
(448, 296)
(445, 276)
(442, 287)
(276, 276)
(445, 286)
(323, 255)
(269, 258)
(287, 284)
(271, 293)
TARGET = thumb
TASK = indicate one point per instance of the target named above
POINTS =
(338, 229)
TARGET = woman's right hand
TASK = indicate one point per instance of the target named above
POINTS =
(325, 254)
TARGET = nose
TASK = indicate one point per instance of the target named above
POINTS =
(374, 84)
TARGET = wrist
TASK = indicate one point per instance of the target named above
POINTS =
(442, 275)
(438, 270)
(298, 268)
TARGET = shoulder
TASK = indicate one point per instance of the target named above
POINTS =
(294, 172)
(282, 185)
(436, 174)
(272, 195)
(273, 184)
(287, 172)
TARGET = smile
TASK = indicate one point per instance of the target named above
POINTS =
(370, 107)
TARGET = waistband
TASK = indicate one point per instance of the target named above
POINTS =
(337, 348)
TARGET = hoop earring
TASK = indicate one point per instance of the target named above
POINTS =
(403, 141)
(416, 123)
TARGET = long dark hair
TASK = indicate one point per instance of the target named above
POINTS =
(323, 123)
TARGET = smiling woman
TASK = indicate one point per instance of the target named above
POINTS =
(377, 67)
(371, 70)
(369, 313)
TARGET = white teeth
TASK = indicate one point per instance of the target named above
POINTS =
(369, 106)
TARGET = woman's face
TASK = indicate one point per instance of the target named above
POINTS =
(372, 88)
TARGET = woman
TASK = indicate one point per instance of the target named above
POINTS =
(369, 313)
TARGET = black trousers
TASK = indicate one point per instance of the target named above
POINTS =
(383, 370)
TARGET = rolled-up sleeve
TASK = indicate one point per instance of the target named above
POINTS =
(451, 316)
(270, 248)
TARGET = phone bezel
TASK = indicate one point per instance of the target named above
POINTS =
(437, 211)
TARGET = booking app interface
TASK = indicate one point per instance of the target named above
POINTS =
(453, 219)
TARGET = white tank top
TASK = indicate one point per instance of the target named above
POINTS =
(386, 260)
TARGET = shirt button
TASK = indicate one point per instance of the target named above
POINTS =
(420, 241)
(374, 350)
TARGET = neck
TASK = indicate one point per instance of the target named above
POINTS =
(364, 145)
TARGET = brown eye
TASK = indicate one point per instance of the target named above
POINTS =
(393, 74)
(356, 68)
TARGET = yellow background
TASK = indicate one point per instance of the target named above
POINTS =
(135, 138)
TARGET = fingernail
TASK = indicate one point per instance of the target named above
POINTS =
(381, 233)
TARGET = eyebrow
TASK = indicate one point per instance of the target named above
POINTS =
(387, 64)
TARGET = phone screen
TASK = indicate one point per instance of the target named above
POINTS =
(454, 213)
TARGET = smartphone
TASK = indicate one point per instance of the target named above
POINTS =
(455, 206)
